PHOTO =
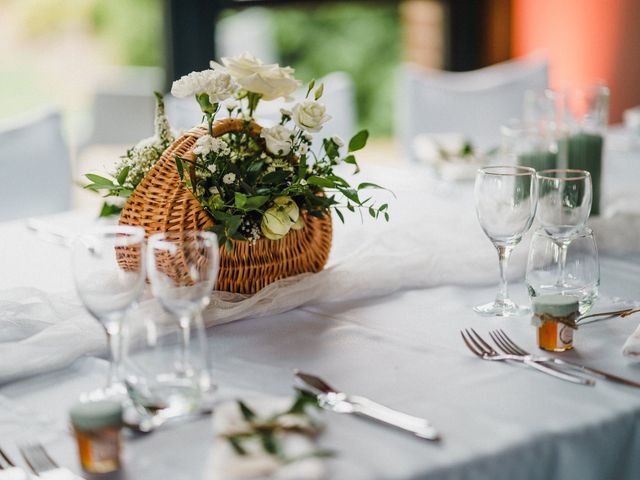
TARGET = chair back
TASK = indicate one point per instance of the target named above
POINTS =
(34, 160)
(474, 103)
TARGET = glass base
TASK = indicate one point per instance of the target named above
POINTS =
(505, 308)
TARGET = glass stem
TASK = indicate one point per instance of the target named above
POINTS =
(185, 330)
(504, 252)
(114, 342)
(563, 262)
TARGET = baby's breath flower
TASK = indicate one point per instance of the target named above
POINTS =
(207, 144)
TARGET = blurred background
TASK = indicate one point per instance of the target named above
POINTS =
(97, 62)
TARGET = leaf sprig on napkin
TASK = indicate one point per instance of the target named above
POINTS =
(298, 418)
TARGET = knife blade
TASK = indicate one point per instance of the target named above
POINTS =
(340, 402)
(593, 371)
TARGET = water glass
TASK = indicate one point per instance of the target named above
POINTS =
(578, 276)
(109, 274)
(168, 362)
(528, 145)
(564, 201)
(505, 198)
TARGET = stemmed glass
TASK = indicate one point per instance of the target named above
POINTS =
(182, 268)
(109, 275)
(505, 198)
(564, 206)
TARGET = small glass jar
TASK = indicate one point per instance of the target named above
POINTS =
(97, 428)
(555, 316)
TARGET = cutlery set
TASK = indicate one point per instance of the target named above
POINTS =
(553, 366)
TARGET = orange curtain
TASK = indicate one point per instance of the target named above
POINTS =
(585, 41)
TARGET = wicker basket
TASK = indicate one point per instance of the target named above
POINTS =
(161, 203)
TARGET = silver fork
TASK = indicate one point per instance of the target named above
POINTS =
(482, 349)
(510, 346)
(37, 458)
(9, 467)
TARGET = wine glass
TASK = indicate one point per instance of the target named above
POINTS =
(109, 275)
(581, 274)
(505, 198)
(564, 205)
(182, 267)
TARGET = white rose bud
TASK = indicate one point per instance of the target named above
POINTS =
(278, 140)
(310, 115)
(338, 141)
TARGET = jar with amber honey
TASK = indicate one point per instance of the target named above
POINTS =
(97, 427)
(555, 317)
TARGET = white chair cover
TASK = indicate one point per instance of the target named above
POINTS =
(34, 161)
(473, 103)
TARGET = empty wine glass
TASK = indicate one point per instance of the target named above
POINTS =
(182, 267)
(109, 275)
(580, 274)
(564, 205)
(505, 198)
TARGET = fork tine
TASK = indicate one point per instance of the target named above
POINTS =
(469, 345)
(506, 338)
(487, 347)
(37, 458)
(479, 344)
(505, 347)
(5, 462)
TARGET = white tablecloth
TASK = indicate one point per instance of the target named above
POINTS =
(400, 348)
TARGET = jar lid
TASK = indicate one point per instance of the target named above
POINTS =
(555, 305)
(94, 415)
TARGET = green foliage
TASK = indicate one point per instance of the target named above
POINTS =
(132, 30)
(361, 39)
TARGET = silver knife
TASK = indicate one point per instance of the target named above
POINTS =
(332, 399)
(583, 368)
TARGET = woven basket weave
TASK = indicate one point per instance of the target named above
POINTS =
(161, 203)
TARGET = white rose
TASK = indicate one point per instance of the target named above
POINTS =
(241, 66)
(310, 115)
(271, 80)
(278, 139)
(218, 85)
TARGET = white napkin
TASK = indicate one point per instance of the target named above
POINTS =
(13, 473)
(59, 474)
(428, 149)
(631, 347)
(225, 464)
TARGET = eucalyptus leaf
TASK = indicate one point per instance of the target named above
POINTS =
(98, 180)
(122, 176)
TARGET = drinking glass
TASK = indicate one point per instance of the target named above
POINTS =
(586, 117)
(564, 203)
(505, 198)
(528, 145)
(109, 275)
(166, 370)
(579, 276)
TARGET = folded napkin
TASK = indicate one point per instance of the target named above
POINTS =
(449, 154)
(59, 474)
(239, 452)
(13, 473)
(631, 347)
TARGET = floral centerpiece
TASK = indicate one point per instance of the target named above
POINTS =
(256, 182)
(264, 190)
